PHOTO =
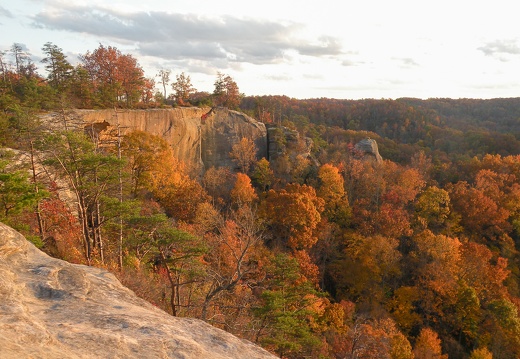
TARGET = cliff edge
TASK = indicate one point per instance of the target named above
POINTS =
(50, 308)
(203, 137)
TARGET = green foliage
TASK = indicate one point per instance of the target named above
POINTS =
(17, 193)
(286, 310)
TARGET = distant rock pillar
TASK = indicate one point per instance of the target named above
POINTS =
(369, 150)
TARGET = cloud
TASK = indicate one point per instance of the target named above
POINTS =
(175, 36)
(406, 62)
(5, 13)
(499, 48)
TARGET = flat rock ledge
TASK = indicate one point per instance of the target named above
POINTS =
(50, 308)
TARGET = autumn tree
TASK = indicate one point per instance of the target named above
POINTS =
(115, 77)
(182, 89)
(143, 151)
(331, 189)
(218, 183)
(432, 209)
(481, 353)
(243, 194)
(263, 175)
(428, 345)
(369, 268)
(437, 259)
(243, 154)
(235, 261)
(226, 92)
(481, 215)
(178, 193)
(302, 210)
(377, 339)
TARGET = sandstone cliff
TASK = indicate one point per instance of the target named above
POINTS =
(53, 309)
(200, 136)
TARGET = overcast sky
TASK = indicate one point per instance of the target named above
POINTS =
(302, 49)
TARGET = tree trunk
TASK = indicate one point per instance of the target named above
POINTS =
(41, 227)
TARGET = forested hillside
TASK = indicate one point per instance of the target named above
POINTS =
(327, 255)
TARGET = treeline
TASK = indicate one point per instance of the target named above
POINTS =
(104, 78)
(440, 127)
(331, 256)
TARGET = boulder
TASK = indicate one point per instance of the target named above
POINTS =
(50, 308)
(369, 150)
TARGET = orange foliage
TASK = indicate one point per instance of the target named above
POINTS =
(428, 345)
(301, 210)
(243, 193)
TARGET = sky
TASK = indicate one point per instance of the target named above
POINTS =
(301, 49)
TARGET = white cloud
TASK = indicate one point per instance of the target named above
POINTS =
(333, 48)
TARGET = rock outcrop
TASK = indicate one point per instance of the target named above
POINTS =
(369, 150)
(221, 129)
(200, 136)
(53, 309)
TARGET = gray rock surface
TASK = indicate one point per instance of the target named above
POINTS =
(53, 309)
(369, 150)
(221, 129)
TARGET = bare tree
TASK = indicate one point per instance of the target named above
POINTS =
(164, 75)
(243, 154)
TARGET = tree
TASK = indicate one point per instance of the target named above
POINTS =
(481, 353)
(175, 190)
(286, 311)
(331, 189)
(263, 175)
(58, 68)
(164, 75)
(23, 63)
(368, 269)
(243, 154)
(377, 339)
(17, 193)
(428, 345)
(115, 78)
(218, 183)
(183, 89)
(243, 194)
(302, 213)
(143, 151)
(178, 253)
(481, 215)
(226, 92)
(93, 177)
(236, 258)
(433, 208)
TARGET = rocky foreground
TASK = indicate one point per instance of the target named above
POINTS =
(50, 308)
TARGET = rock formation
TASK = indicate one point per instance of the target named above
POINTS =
(221, 129)
(53, 309)
(369, 150)
(200, 136)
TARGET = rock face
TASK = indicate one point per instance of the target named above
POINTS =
(221, 129)
(53, 309)
(282, 141)
(200, 136)
(369, 150)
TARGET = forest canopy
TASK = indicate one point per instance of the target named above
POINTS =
(323, 254)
